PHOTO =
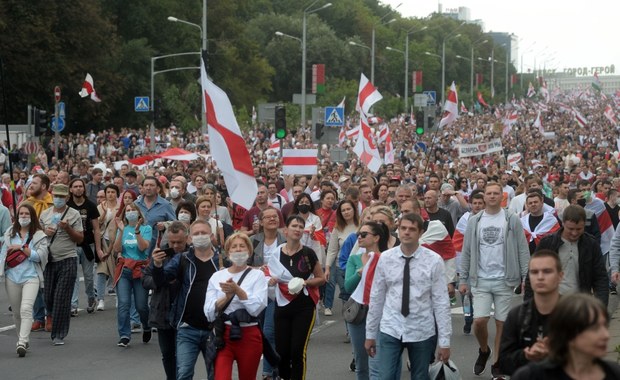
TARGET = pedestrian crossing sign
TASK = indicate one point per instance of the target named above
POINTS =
(141, 104)
(334, 116)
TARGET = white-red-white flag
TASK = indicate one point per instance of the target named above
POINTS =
(451, 107)
(530, 90)
(88, 88)
(388, 157)
(365, 147)
(610, 115)
(353, 133)
(463, 108)
(538, 124)
(383, 133)
(299, 161)
(580, 119)
(341, 104)
(342, 136)
(367, 95)
(274, 148)
(227, 145)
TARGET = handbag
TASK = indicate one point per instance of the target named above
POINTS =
(219, 324)
(18, 256)
(354, 312)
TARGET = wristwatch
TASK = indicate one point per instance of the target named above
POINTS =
(137, 232)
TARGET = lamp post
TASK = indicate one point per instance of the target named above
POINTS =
(443, 60)
(406, 70)
(307, 11)
(528, 50)
(372, 43)
(409, 32)
(352, 43)
(203, 37)
(471, 75)
(507, 61)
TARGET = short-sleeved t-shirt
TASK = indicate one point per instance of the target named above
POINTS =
(297, 264)
(130, 242)
(62, 247)
(88, 211)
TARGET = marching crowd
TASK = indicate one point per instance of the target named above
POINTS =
(236, 285)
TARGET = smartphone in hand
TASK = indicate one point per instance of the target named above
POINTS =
(169, 252)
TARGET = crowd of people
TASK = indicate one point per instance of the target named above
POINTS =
(399, 245)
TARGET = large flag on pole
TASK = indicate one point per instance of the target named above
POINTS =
(227, 145)
(367, 95)
(299, 161)
(530, 90)
(610, 115)
(365, 147)
(388, 157)
(538, 124)
(450, 108)
(481, 99)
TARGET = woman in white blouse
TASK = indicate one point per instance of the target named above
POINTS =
(242, 336)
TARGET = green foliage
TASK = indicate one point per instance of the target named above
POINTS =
(56, 43)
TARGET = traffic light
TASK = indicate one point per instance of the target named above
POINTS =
(40, 121)
(318, 130)
(419, 122)
(280, 121)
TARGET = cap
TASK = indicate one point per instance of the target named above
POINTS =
(163, 179)
(131, 173)
(37, 169)
(60, 189)
(446, 187)
(343, 178)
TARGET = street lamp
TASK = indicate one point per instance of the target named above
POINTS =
(443, 60)
(471, 79)
(406, 70)
(409, 32)
(372, 43)
(203, 36)
(307, 11)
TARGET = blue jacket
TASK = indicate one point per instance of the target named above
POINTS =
(171, 271)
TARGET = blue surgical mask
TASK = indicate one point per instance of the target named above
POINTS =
(60, 202)
(132, 216)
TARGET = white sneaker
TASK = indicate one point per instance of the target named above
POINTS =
(101, 305)
(328, 312)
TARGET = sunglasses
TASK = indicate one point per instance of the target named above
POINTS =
(364, 234)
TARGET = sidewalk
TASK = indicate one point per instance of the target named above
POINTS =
(614, 328)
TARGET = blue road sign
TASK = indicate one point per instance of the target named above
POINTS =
(420, 146)
(334, 116)
(58, 124)
(432, 97)
(141, 104)
(61, 109)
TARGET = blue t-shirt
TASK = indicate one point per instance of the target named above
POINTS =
(130, 242)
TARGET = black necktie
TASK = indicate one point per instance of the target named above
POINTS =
(404, 309)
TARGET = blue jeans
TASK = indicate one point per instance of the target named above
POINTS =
(87, 269)
(365, 366)
(270, 333)
(125, 288)
(419, 354)
(101, 285)
(38, 309)
(190, 342)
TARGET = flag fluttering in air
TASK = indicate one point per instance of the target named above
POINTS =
(544, 91)
(596, 83)
(610, 115)
(88, 88)
(342, 136)
(367, 95)
(274, 148)
(341, 104)
(481, 99)
(538, 124)
(365, 147)
(227, 145)
(450, 108)
(530, 90)
(580, 119)
(463, 108)
(388, 157)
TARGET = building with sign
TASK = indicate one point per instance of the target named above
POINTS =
(609, 83)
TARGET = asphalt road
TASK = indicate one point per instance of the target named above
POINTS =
(90, 350)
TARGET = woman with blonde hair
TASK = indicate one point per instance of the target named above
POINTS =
(240, 293)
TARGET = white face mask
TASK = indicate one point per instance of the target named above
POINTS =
(185, 218)
(239, 259)
(174, 192)
(201, 241)
(24, 222)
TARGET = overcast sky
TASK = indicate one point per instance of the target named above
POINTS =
(575, 34)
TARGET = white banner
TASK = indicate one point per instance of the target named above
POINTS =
(469, 150)
(514, 158)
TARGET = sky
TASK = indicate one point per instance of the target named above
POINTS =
(561, 34)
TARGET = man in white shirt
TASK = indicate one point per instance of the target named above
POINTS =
(494, 261)
(561, 201)
(407, 300)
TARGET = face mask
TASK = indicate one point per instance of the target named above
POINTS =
(303, 208)
(185, 218)
(60, 202)
(239, 258)
(24, 222)
(131, 216)
(201, 241)
(174, 192)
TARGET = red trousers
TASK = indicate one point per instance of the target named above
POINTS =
(246, 352)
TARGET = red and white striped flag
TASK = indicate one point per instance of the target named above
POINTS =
(437, 239)
(367, 95)
(365, 147)
(353, 133)
(342, 136)
(88, 88)
(383, 133)
(580, 119)
(451, 108)
(544, 91)
(498, 113)
(388, 157)
(610, 115)
(227, 145)
(538, 124)
(274, 148)
(299, 161)
(548, 225)
(530, 90)
(463, 108)
(605, 224)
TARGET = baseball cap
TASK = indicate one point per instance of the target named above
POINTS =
(60, 189)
